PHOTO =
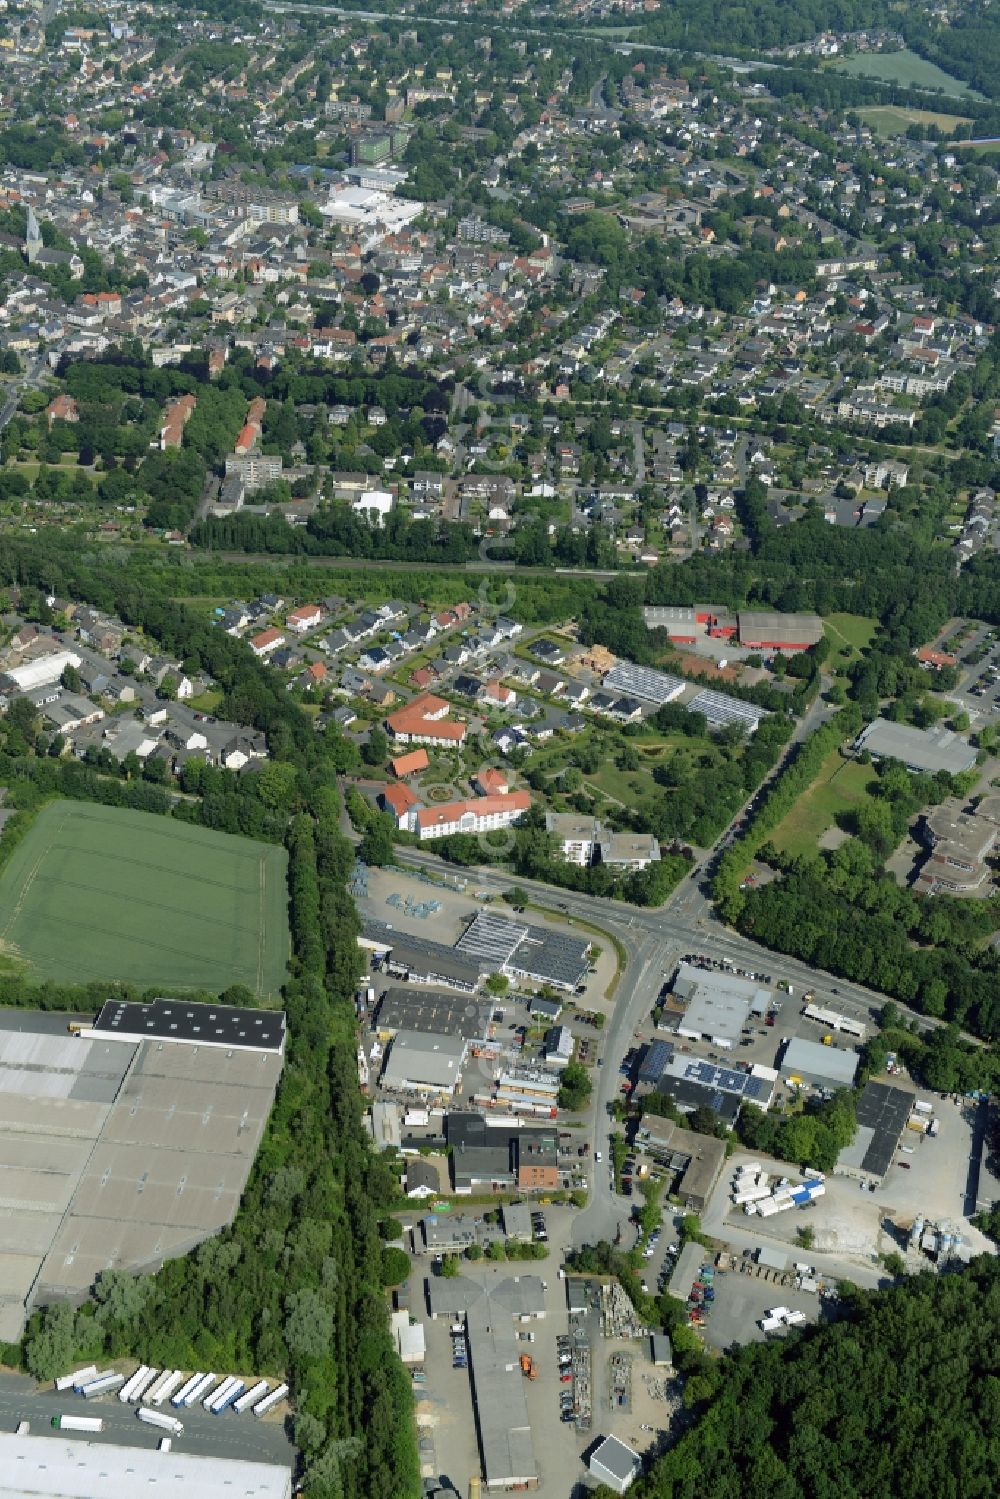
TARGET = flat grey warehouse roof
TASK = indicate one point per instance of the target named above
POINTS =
(929, 750)
(117, 1155)
(811, 1059)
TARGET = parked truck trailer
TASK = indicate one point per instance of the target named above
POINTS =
(77, 1423)
(161, 1420)
(78, 1378)
(105, 1384)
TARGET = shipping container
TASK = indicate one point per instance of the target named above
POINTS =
(750, 1194)
(774, 1205)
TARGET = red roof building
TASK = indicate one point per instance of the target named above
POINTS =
(410, 764)
(266, 642)
(491, 782)
(400, 802)
(483, 815)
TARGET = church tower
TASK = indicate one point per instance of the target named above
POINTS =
(33, 238)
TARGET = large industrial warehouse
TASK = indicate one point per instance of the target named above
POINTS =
(57, 1467)
(119, 1153)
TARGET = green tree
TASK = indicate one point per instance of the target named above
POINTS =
(395, 1266)
(574, 1086)
(377, 843)
(376, 747)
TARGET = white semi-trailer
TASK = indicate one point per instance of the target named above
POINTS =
(255, 1394)
(270, 1401)
(160, 1419)
(78, 1423)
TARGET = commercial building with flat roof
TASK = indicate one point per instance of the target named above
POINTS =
(695, 1159)
(407, 1007)
(193, 1024)
(882, 1114)
(117, 1156)
(926, 750)
(498, 1386)
(520, 951)
(615, 1464)
(61, 1467)
(823, 1066)
(694, 1083)
(959, 844)
(424, 1063)
(718, 1004)
(421, 959)
(765, 630)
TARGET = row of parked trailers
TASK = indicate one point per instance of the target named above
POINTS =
(153, 1387)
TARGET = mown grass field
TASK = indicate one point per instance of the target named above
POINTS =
(840, 786)
(104, 893)
(905, 68)
(888, 119)
(853, 630)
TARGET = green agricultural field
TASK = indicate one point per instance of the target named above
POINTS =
(906, 69)
(102, 893)
(840, 786)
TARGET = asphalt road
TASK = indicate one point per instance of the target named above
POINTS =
(227, 1435)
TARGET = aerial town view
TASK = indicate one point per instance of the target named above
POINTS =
(499, 749)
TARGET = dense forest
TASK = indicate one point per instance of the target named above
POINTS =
(898, 1399)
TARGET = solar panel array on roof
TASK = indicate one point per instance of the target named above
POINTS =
(644, 682)
(551, 957)
(691, 1095)
(720, 710)
(728, 1079)
(884, 1110)
(492, 938)
(658, 1054)
(758, 1090)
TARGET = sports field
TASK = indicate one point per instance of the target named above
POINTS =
(905, 68)
(102, 893)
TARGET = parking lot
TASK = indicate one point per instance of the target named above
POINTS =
(228, 1435)
(741, 1301)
